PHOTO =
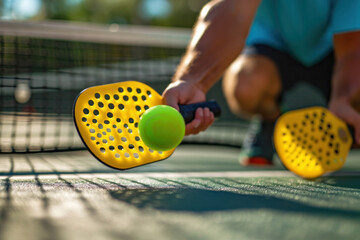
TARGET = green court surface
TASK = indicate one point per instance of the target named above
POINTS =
(201, 192)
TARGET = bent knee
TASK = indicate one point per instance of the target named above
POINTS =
(247, 81)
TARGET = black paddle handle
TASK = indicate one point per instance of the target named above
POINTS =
(352, 132)
(188, 111)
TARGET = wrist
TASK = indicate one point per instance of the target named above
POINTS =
(194, 82)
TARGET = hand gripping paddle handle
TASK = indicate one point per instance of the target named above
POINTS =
(188, 111)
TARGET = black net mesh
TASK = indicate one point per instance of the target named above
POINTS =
(41, 77)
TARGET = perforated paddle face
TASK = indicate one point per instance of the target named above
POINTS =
(312, 141)
(107, 119)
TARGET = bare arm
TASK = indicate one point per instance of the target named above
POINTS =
(345, 97)
(218, 38)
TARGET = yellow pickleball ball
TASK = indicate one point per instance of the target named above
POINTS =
(161, 128)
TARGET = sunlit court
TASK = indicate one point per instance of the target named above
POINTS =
(268, 151)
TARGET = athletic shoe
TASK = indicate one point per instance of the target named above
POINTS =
(257, 148)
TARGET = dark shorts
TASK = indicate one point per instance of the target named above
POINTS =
(293, 72)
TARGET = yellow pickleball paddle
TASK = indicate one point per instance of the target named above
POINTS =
(312, 141)
(107, 118)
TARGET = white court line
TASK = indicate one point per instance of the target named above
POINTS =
(245, 174)
(211, 174)
(158, 175)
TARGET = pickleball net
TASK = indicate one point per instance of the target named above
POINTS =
(44, 66)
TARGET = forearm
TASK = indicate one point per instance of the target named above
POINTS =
(345, 95)
(218, 38)
(346, 80)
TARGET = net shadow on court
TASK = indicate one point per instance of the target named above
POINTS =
(201, 200)
(67, 193)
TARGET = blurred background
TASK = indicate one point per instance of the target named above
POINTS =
(174, 13)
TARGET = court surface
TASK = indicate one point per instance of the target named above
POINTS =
(201, 192)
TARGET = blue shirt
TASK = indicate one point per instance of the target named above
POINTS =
(303, 28)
